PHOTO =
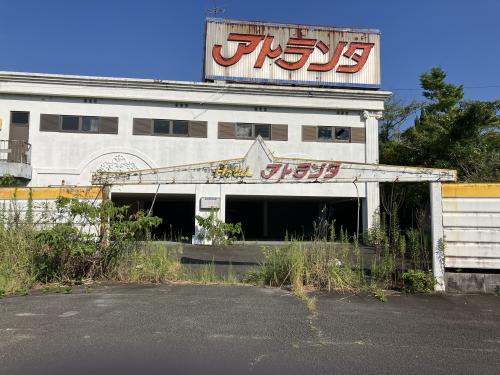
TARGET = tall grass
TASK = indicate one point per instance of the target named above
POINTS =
(320, 265)
(148, 262)
(16, 259)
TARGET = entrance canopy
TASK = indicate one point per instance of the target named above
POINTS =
(261, 166)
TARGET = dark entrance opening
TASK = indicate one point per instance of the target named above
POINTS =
(276, 218)
(177, 212)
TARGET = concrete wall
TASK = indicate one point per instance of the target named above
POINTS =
(471, 225)
(14, 202)
(72, 158)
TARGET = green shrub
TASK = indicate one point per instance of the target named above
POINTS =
(64, 253)
(216, 231)
(418, 281)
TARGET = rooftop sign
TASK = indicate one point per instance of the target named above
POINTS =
(247, 51)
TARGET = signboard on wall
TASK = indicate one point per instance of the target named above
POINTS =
(208, 203)
(263, 52)
(261, 166)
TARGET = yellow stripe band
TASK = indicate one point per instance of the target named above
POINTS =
(471, 190)
(81, 192)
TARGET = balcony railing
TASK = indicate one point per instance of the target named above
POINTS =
(15, 151)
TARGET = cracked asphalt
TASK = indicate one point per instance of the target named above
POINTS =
(176, 328)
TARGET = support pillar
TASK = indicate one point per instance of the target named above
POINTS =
(371, 205)
(437, 235)
(208, 191)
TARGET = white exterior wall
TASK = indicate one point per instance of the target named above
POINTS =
(73, 157)
(471, 226)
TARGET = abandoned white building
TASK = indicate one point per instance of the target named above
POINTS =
(319, 101)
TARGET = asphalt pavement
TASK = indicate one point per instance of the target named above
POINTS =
(196, 329)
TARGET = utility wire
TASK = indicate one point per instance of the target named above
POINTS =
(465, 87)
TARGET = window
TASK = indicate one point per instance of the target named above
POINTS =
(169, 128)
(90, 124)
(331, 133)
(250, 131)
(20, 117)
(264, 130)
(79, 124)
(244, 130)
(324, 133)
(70, 123)
(161, 127)
(180, 127)
(342, 134)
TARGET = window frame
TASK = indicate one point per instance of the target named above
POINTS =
(79, 124)
(158, 134)
(19, 123)
(333, 130)
(253, 136)
(81, 120)
(184, 135)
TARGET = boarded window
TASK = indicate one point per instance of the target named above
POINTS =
(49, 123)
(198, 129)
(358, 135)
(142, 126)
(309, 133)
(279, 132)
(108, 125)
(226, 130)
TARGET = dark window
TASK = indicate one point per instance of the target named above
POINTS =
(264, 130)
(250, 131)
(20, 117)
(180, 127)
(90, 124)
(244, 131)
(70, 123)
(325, 133)
(342, 134)
(161, 127)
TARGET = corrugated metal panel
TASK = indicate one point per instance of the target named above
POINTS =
(471, 224)
(318, 44)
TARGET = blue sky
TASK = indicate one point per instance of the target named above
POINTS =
(164, 39)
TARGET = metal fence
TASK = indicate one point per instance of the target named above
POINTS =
(15, 151)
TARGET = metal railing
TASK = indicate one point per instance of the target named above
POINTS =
(14, 151)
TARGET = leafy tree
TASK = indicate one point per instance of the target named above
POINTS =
(448, 131)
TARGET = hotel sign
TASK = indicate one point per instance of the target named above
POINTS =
(246, 51)
(261, 166)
